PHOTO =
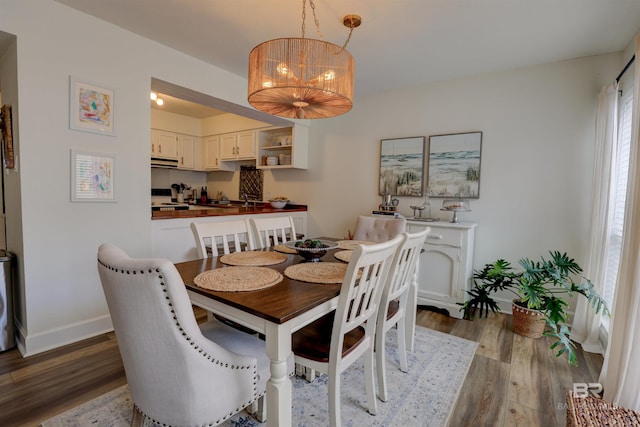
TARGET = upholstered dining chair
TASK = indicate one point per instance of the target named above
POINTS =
(376, 229)
(178, 373)
(394, 303)
(333, 342)
(268, 231)
(226, 236)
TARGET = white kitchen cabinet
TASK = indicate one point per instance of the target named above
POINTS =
(212, 155)
(238, 146)
(164, 144)
(186, 152)
(289, 144)
(445, 268)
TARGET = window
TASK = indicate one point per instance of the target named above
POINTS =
(620, 169)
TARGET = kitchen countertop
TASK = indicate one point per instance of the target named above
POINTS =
(234, 208)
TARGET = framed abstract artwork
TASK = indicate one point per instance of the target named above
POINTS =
(454, 165)
(92, 177)
(91, 107)
(402, 166)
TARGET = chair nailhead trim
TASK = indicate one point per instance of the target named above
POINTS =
(200, 350)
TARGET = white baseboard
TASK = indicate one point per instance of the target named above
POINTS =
(30, 344)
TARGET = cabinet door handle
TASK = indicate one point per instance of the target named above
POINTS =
(153, 148)
(159, 148)
(435, 236)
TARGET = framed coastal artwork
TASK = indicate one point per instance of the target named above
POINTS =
(92, 177)
(454, 165)
(91, 107)
(402, 166)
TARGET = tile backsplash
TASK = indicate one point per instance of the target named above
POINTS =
(251, 182)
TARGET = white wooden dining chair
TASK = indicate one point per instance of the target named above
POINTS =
(376, 229)
(178, 373)
(394, 303)
(225, 237)
(273, 231)
(335, 341)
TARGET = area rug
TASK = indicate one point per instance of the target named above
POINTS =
(425, 396)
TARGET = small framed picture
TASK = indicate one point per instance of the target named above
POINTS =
(92, 177)
(91, 107)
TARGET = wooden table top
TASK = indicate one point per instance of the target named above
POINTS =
(279, 303)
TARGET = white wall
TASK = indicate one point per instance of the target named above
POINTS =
(60, 288)
(537, 157)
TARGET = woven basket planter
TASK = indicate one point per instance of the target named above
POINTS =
(527, 322)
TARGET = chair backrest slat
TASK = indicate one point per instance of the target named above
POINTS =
(219, 237)
(403, 267)
(273, 231)
(361, 290)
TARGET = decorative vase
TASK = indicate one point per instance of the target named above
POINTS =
(527, 322)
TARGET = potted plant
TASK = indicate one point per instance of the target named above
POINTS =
(540, 288)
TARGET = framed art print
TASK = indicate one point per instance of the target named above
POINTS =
(454, 165)
(92, 177)
(91, 107)
(402, 166)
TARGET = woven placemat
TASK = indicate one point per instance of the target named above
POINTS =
(255, 258)
(284, 249)
(344, 255)
(238, 279)
(317, 272)
(351, 244)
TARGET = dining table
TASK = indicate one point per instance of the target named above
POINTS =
(275, 311)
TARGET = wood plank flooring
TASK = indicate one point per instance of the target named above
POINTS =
(513, 381)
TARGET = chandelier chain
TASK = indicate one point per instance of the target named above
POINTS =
(344, 46)
(315, 19)
(304, 15)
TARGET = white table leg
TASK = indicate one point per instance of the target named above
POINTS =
(410, 315)
(278, 342)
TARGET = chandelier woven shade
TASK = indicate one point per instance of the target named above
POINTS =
(301, 78)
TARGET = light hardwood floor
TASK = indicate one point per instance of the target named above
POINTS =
(513, 381)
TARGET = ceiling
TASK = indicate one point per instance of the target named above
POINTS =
(401, 43)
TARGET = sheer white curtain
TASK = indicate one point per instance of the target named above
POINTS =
(586, 323)
(620, 375)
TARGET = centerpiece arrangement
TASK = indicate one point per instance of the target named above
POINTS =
(312, 249)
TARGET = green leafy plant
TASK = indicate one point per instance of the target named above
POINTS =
(540, 285)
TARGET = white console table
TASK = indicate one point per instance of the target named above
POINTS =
(445, 268)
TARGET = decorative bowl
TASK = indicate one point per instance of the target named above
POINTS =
(278, 204)
(312, 254)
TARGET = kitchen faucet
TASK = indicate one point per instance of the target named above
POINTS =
(246, 196)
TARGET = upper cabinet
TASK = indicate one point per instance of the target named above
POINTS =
(211, 154)
(187, 158)
(164, 144)
(238, 146)
(283, 147)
